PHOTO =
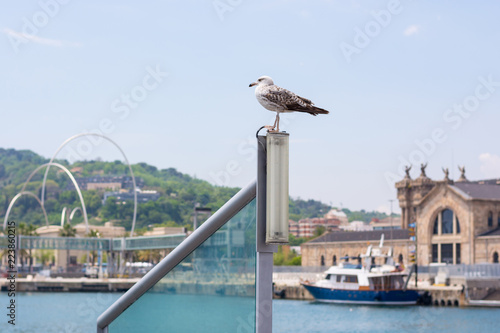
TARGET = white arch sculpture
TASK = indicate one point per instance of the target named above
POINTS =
(126, 161)
(73, 213)
(63, 215)
(70, 175)
(13, 201)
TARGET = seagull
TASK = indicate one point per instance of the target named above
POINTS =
(280, 100)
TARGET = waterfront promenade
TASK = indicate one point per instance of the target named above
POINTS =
(452, 291)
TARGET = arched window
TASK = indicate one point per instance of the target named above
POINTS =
(322, 260)
(334, 261)
(495, 257)
(400, 258)
(436, 225)
(490, 219)
(447, 221)
(346, 257)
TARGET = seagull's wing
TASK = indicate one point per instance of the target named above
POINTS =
(292, 102)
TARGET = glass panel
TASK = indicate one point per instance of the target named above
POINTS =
(436, 222)
(458, 226)
(211, 290)
(434, 253)
(447, 253)
(457, 250)
(447, 222)
(490, 219)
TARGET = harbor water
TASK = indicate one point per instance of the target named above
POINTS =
(77, 312)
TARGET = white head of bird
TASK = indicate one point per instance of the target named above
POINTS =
(262, 81)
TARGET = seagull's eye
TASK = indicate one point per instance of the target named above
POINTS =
(259, 80)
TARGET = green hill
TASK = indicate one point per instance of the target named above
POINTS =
(178, 194)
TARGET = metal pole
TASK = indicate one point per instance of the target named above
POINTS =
(416, 253)
(264, 274)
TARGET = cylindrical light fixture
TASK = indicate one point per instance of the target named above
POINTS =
(277, 188)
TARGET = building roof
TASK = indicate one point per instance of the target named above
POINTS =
(358, 236)
(494, 181)
(474, 190)
(494, 232)
(396, 221)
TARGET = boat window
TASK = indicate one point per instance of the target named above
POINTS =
(347, 278)
(351, 278)
(376, 283)
(328, 276)
(396, 282)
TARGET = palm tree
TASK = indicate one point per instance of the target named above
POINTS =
(67, 231)
(27, 230)
(93, 234)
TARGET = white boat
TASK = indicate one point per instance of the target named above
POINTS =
(365, 282)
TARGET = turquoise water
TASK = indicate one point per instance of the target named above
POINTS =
(77, 312)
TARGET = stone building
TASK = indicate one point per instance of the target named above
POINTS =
(457, 221)
(327, 249)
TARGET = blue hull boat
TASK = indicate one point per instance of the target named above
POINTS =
(371, 297)
(374, 280)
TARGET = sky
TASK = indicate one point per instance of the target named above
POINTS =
(406, 82)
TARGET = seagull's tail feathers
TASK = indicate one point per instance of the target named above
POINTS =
(315, 111)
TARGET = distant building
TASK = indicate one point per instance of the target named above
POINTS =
(386, 223)
(142, 196)
(307, 227)
(356, 226)
(339, 215)
(160, 231)
(108, 230)
(101, 183)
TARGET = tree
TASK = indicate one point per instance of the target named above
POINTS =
(319, 231)
(67, 231)
(93, 234)
(27, 230)
(45, 256)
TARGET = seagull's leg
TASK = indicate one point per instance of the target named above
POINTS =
(276, 123)
(271, 128)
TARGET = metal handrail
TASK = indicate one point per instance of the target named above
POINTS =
(207, 229)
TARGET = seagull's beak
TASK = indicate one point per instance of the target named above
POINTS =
(253, 84)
